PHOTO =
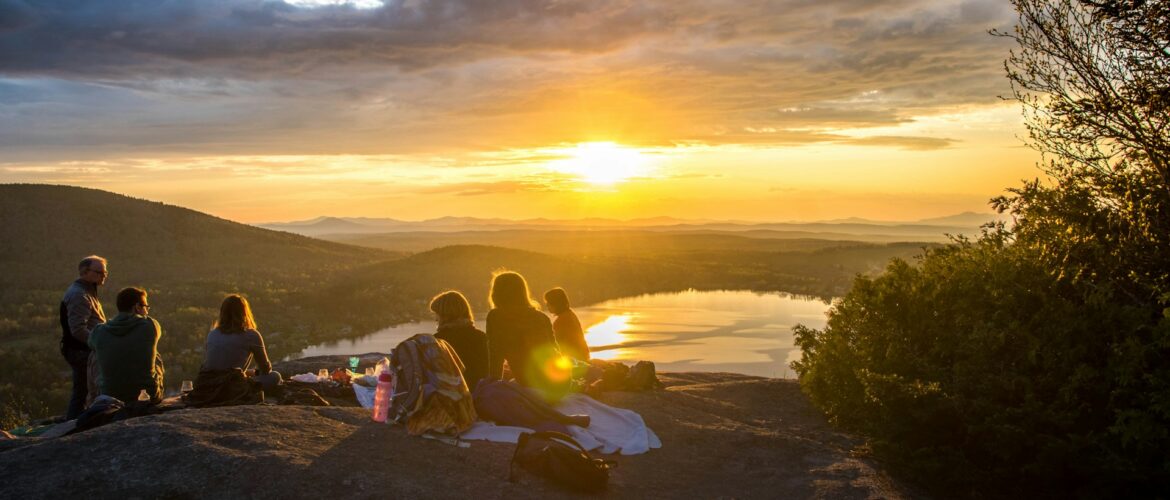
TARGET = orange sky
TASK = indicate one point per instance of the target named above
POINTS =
(265, 111)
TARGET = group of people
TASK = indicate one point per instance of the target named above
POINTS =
(119, 357)
(539, 353)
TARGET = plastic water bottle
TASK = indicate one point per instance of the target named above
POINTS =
(382, 396)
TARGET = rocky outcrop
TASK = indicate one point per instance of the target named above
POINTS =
(724, 435)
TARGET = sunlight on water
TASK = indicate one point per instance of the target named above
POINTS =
(610, 332)
(732, 331)
(728, 331)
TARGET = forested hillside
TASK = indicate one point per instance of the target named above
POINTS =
(306, 291)
(42, 228)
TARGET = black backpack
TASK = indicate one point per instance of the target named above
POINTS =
(561, 459)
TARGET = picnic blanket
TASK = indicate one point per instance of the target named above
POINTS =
(611, 430)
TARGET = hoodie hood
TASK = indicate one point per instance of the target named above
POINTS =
(124, 323)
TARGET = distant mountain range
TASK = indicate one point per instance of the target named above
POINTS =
(931, 229)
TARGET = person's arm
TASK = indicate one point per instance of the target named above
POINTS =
(260, 354)
(77, 311)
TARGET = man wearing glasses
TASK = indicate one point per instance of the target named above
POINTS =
(81, 312)
(126, 348)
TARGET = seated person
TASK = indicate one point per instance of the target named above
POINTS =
(126, 348)
(457, 327)
(566, 328)
(234, 342)
(521, 335)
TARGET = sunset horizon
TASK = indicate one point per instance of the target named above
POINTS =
(276, 111)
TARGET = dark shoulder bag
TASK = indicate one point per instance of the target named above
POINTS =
(562, 459)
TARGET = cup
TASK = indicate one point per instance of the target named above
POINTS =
(322, 374)
(353, 362)
(186, 387)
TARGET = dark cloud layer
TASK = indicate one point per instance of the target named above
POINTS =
(263, 77)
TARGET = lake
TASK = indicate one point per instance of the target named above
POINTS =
(705, 331)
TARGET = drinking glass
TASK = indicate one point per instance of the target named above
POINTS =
(323, 374)
(187, 386)
(353, 362)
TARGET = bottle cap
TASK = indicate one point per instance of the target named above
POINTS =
(385, 377)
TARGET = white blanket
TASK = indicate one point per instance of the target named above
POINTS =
(611, 430)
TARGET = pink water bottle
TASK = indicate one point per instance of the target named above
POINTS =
(382, 396)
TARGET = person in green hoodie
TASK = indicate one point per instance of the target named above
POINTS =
(127, 350)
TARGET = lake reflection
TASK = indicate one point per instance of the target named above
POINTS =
(730, 331)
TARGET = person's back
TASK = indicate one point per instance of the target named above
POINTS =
(570, 336)
(456, 325)
(470, 343)
(522, 335)
(524, 338)
(225, 351)
(234, 342)
(127, 350)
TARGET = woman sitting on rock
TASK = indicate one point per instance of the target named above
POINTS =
(523, 336)
(567, 328)
(234, 342)
(457, 327)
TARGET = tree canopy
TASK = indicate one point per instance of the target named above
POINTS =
(1034, 360)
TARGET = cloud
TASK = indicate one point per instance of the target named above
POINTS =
(911, 143)
(488, 188)
(121, 77)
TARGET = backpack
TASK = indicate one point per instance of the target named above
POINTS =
(643, 377)
(562, 459)
(430, 394)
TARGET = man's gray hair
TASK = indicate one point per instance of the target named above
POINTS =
(88, 261)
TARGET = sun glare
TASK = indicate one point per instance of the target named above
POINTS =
(602, 163)
(610, 332)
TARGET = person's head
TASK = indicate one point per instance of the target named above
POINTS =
(235, 316)
(509, 290)
(557, 300)
(93, 270)
(451, 307)
(132, 300)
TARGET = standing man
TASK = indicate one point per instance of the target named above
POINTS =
(81, 311)
(126, 348)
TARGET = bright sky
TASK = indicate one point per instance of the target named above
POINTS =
(412, 109)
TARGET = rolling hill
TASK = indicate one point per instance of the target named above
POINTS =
(45, 230)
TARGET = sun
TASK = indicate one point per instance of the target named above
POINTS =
(602, 163)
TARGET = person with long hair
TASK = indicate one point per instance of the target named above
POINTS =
(457, 327)
(566, 328)
(522, 335)
(234, 342)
